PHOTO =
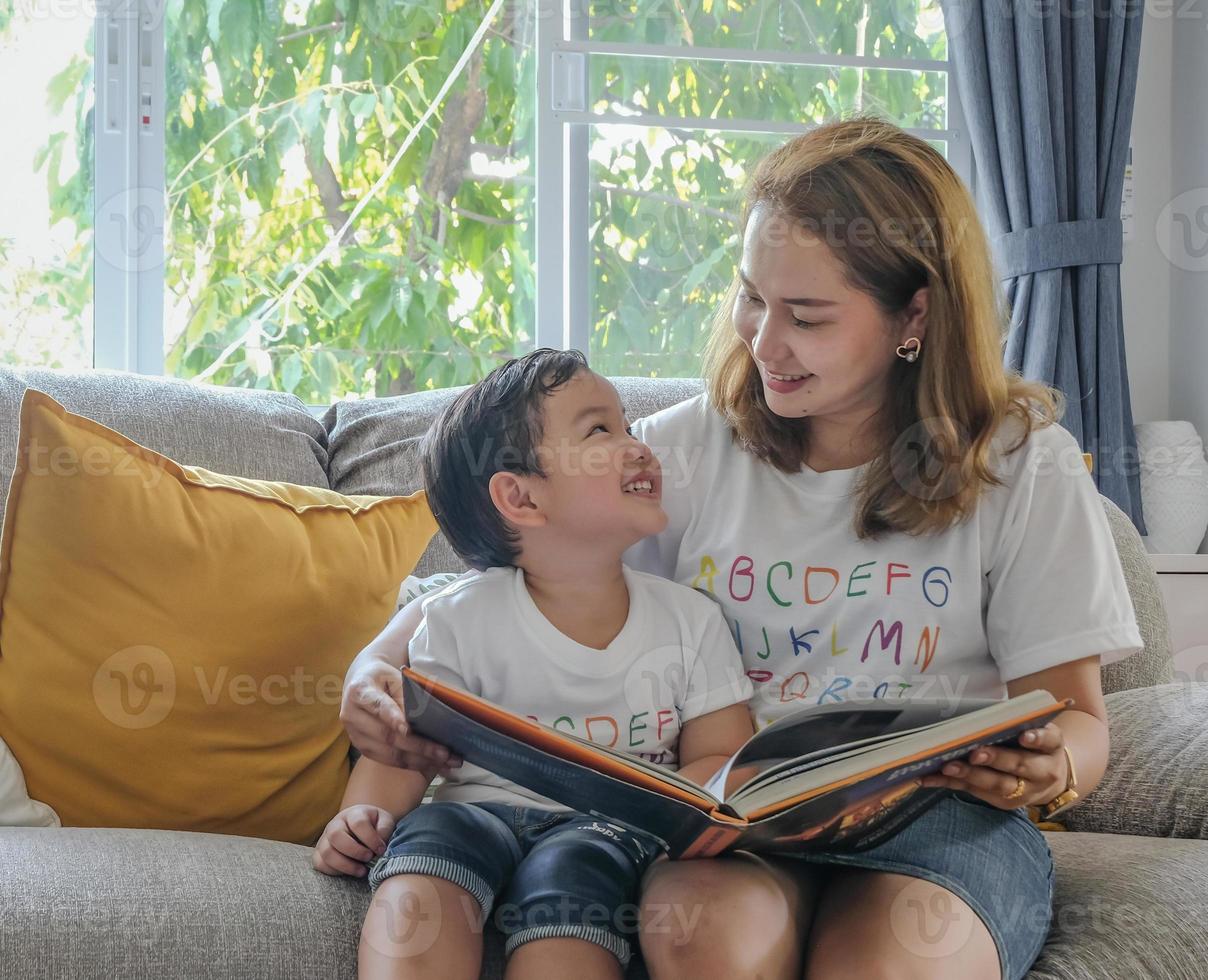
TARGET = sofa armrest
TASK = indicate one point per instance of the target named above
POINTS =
(1156, 784)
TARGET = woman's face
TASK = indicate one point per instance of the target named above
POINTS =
(798, 317)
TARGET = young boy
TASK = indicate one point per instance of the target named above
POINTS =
(537, 482)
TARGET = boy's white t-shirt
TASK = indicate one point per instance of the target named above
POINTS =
(1030, 581)
(674, 660)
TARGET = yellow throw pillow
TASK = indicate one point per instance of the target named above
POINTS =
(173, 642)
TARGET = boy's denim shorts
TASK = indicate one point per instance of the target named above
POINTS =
(544, 873)
(996, 860)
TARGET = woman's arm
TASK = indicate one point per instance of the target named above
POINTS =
(372, 704)
(1083, 727)
(992, 773)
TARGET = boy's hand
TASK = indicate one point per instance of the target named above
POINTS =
(354, 837)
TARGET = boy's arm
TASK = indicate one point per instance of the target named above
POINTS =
(707, 741)
(397, 791)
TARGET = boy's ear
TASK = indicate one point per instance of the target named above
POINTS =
(511, 495)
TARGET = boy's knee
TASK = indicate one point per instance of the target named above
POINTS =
(410, 915)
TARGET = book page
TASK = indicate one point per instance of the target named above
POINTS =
(821, 731)
(924, 750)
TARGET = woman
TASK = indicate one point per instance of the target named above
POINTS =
(882, 511)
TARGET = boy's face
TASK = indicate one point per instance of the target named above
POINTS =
(600, 480)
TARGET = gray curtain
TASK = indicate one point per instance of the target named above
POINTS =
(1048, 90)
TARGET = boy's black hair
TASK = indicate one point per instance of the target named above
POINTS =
(493, 426)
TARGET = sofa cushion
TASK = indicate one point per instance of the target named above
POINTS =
(1125, 908)
(97, 904)
(93, 904)
(1156, 783)
(374, 443)
(173, 641)
(1152, 664)
(258, 434)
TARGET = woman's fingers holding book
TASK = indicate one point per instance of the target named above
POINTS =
(372, 713)
(371, 710)
(1046, 739)
(1009, 778)
(1036, 767)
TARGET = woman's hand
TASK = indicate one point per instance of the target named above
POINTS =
(353, 838)
(371, 706)
(372, 713)
(993, 773)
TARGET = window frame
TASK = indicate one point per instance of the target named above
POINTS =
(564, 122)
(128, 197)
(128, 323)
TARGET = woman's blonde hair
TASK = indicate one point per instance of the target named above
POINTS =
(917, 226)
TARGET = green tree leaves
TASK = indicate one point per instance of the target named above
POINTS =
(281, 116)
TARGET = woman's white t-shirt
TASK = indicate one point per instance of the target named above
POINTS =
(1030, 581)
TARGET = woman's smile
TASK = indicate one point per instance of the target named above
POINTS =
(782, 384)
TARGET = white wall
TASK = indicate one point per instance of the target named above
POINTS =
(1189, 195)
(1145, 276)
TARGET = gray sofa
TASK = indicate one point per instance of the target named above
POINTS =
(1132, 868)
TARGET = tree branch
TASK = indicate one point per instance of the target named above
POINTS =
(486, 219)
(671, 199)
(335, 25)
(328, 183)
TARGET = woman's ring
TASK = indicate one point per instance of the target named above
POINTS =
(1019, 788)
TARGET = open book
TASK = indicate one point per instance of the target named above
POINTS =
(836, 776)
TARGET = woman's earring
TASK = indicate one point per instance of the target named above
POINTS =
(911, 353)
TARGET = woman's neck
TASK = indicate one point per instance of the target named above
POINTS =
(837, 447)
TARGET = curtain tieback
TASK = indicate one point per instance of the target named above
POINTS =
(1099, 241)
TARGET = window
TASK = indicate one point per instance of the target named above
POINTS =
(283, 118)
(46, 176)
(670, 127)
(572, 180)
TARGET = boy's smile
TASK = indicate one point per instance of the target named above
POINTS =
(599, 479)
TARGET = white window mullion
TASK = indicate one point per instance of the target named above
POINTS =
(577, 272)
(128, 263)
(115, 341)
(151, 202)
(577, 190)
(550, 181)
